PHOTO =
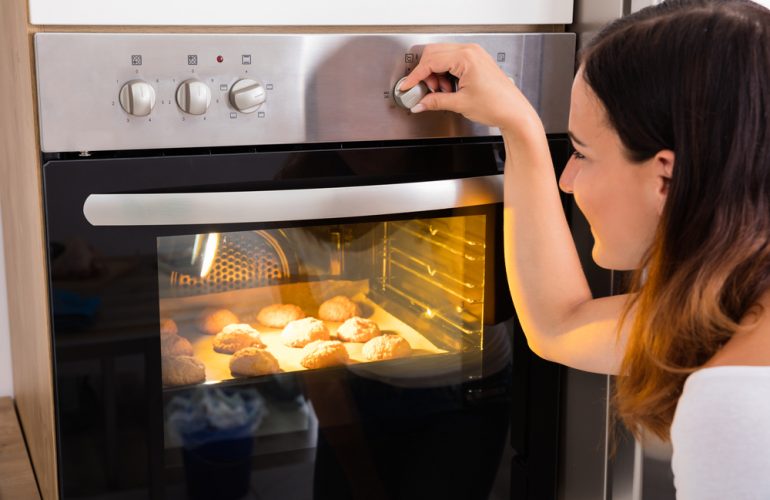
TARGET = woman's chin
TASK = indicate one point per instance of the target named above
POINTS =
(611, 260)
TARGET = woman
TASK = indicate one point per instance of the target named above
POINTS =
(670, 122)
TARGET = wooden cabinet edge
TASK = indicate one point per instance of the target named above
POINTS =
(22, 214)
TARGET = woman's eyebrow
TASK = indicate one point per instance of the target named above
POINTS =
(575, 139)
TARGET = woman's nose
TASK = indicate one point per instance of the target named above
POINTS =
(567, 178)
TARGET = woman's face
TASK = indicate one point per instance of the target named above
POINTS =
(621, 200)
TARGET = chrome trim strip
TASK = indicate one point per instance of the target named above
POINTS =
(162, 209)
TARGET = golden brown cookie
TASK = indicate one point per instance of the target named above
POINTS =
(386, 347)
(338, 308)
(279, 315)
(303, 331)
(323, 353)
(168, 327)
(214, 321)
(182, 370)
(175, 345)
(236, 337)
(357, 329)
(253, 361)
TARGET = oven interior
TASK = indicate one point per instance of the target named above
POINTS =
(422, 279)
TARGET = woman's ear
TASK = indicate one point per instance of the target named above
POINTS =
(664, 170)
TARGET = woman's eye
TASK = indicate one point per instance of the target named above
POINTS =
(577, 155)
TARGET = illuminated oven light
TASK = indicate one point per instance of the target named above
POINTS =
(212, 244)
(429, 312)
(196, 251)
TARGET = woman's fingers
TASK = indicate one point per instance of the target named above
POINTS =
(446, 83)
(435, 59)
(448, 101)
(440, 83)
(465, 79)
(432, 81)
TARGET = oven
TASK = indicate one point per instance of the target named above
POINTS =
(268, 280)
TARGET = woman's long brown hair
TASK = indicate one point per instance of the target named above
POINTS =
(692, 77)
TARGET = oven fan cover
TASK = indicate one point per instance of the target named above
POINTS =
(246, 259)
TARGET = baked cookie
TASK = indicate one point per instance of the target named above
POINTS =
(357, 329)
(214, 321)
(279, 315)
(182, 370)
(323, 353)
(338, 308)
(253, 361)
(236, 337)
(168, 327)
(303, 331)
(386, 347)
(175, 345)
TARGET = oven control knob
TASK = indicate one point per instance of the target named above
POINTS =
(137, 98)
(193, 97)
(247, 95)
(411, 97)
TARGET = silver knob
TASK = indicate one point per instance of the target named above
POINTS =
(247, 95)
(137, 98)
(411, 97)
(193, 97)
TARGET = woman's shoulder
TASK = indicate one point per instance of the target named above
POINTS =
(739, 369)
(719, 395)
(720, 435)
(723, 410)
(727, 376)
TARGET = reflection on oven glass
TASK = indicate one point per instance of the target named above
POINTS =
(398, 295)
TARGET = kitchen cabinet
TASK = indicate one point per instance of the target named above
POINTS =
(300, 12)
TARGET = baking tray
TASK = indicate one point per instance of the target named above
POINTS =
(188, 311)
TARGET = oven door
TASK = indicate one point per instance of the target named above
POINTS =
(197, 352)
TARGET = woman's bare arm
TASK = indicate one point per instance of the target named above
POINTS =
(561, 319)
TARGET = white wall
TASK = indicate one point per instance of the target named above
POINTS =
(6, 377)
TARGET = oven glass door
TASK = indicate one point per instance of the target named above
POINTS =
(289, 343)
(280, 324)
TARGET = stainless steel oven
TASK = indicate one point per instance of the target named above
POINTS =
(268, 280)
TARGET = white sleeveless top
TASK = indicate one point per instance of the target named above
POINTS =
(721, 435)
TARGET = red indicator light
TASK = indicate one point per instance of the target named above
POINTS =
(220, 58)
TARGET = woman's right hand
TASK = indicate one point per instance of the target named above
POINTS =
(484, 93)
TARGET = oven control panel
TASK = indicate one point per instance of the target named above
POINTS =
(105, 91)
(137, 97)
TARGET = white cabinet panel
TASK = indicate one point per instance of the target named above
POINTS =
(299, 12)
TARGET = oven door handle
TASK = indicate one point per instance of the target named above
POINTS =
(161, 209)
